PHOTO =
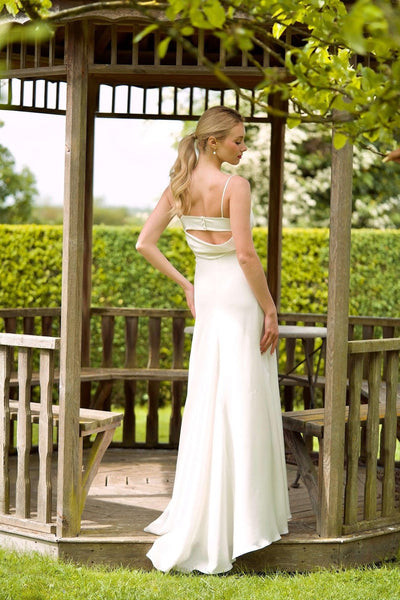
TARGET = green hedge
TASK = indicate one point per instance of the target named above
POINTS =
(30, 269)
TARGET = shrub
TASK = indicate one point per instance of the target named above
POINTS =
(30, 269)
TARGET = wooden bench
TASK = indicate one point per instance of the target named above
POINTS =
(98, 423)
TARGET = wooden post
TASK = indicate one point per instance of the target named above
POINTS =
(277, 150)
(69, 476)
(88, 237)
(331, 484)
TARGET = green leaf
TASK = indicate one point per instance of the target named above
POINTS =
(163, 47)
(198, 19)
(339, 140)
(187, 30)
(277, 30)
(146, 31)
(174, 8)
(293, 122)
(215, 13)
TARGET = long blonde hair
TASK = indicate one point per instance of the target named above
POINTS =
(217, 122)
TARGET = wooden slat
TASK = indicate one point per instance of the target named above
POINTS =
(90, 421)
(378, 345)
(129, 425)
(10, 323)
(24, 434)
(153, 386)
(47, 325)
(29, 341)
(27, 312)
(101, 398)
(29, 325)
(45, 435)
(389, 434)
(107, 334)
(27, 524)
(288, 392)
(140, 312)
(353, 440)
(117, 374)
(144, 374)
(178, 342)
(372, 436)
(5, 370)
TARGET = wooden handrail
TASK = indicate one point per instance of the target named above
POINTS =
(29, 341)
(381, 345)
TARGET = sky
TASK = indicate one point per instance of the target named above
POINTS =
(132, 158)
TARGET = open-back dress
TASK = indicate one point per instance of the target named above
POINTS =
(230, 492)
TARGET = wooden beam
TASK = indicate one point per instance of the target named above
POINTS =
(277, 151)
(93, 93)
(331, 490)
(69, 476)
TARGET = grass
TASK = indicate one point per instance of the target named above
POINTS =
(35, 577)
(164, 414)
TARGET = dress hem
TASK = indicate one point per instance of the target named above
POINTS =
(254, 548)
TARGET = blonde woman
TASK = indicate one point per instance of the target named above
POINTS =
(230, 492)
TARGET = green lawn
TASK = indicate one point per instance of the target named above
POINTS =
(164, 414)
(34, 577)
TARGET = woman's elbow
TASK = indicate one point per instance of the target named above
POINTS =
(246, 257)
(139, 246)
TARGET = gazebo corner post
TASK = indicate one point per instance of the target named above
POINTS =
(69, 448)
(275, 205)
(331, 480)
(93, 100)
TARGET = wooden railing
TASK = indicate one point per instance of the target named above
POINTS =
(155, 353)
(140, 356)
(372, 434)
(360, 328)
(19, 507)
(26, 345)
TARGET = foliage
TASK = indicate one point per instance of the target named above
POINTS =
(35, 577)
(336, 62)
(30, 266)
(376, 190)
(32, 8)
(17, 190)
(307, 179)
(31, 269)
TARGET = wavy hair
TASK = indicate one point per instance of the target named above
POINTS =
(216, 122)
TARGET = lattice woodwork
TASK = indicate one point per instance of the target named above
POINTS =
(133, 80)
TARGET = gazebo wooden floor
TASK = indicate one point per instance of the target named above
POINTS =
(133, 486)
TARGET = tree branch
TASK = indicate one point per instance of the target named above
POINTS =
(141, 6)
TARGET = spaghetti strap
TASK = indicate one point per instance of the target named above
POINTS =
(223, 194)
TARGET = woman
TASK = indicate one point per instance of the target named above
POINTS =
(230, 492)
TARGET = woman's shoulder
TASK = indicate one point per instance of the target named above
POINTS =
(237, 182)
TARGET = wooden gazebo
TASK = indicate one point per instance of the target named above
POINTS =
(346, 526)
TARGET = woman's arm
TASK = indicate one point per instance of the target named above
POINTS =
(394, 155)
(240, 208)
(147, 246)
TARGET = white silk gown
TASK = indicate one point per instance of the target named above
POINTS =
(230, 492)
